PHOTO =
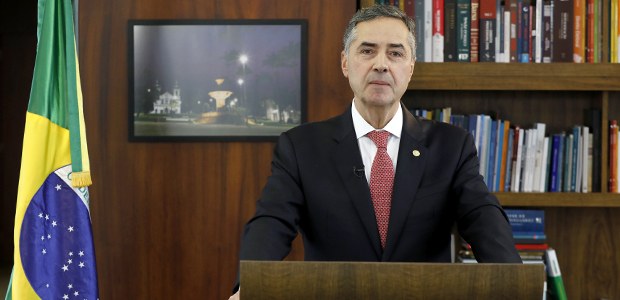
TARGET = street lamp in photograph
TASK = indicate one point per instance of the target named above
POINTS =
(243, 59)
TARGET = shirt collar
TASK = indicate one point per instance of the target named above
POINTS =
(394, 126)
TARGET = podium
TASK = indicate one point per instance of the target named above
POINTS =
(382, 280)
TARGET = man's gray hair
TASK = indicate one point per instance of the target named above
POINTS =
(374, 12)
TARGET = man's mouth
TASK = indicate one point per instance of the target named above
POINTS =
(379, 82)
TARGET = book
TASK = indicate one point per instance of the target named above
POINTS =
(526, 223)
(562, 31)
(438, 30)
(547, 33)
(475, 30)
(463, 23)
(613, 156)
(488, 17)
(579, 31)
(450, 31)
(555, 284)
(421, 54)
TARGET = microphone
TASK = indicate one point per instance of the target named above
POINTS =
(359, 172)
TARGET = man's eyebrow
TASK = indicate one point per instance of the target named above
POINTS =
(397, 46)
(368, 44)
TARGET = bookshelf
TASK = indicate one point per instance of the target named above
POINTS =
(580, 226)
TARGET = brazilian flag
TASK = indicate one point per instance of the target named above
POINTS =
(54, 252)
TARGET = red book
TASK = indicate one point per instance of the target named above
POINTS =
(474, 31)
(531, 246)
(488, 16)
(438, 30)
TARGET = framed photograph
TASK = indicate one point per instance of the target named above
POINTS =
(216, 80)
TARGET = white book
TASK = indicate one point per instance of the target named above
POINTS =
(539, 165)
(539, 30)
(590, 158)
(530, 155)
(579, 167)
(618, 163)
(478, 134)
(507, 36)
(516, 170)
(585, 167)
(542, 187)
(428, 30)
(484, 153)
(499, 51)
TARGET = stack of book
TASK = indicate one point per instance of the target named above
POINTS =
(518, 159)
(528, 231)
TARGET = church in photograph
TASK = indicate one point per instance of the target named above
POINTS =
(168, 103)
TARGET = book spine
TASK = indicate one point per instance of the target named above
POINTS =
(547, 38)
(590, 25)
(525, 33)
(428, 30)
(463, 23)
(563, 36)
(409, 7)
(560, 178)
(584, 158)
(554, 276)
(450, 31)
(554, 163)
(419, 30)
(487, 30)
(539, 32)
(613, 156)
(579, 28)
(475, 30)
(438, 30)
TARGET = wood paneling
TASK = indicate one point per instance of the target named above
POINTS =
(167, 217)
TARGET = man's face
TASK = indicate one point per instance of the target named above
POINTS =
(379, 64)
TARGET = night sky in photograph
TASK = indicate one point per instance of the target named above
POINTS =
(196, 55)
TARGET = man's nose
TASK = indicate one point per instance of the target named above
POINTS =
(381, 64)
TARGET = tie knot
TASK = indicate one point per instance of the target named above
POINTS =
(379, 137)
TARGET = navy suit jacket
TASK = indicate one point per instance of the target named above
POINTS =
(314, 190)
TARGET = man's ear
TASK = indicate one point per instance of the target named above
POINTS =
(344, 64)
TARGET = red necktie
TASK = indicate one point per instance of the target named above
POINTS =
(381, 182)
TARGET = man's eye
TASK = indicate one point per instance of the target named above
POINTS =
(366, 51)
(397, 54)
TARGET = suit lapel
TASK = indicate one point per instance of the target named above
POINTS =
(409, 170)
(346, 156)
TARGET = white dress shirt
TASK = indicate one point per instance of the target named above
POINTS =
(368, 149)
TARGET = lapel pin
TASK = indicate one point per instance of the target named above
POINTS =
(416, 153)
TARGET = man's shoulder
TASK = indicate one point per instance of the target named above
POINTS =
(324, 128)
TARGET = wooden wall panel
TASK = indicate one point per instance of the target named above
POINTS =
(167, 217)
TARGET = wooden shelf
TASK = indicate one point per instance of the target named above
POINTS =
(559, 199)
(516, 76)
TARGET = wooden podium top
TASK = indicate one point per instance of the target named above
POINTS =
(374, 280)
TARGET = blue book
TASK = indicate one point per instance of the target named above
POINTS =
(526, 221)
(561, 162)
(507, 182)
(498, 154)
(471, 125)
(491, 154)
(555, 147)
(575, 158)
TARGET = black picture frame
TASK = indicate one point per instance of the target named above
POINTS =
(216, 80)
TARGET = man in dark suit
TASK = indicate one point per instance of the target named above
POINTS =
(377, 183)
